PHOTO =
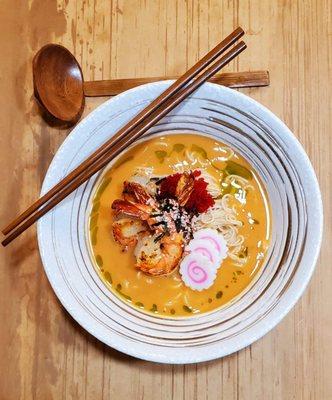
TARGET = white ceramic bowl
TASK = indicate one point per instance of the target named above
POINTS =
(297, 217)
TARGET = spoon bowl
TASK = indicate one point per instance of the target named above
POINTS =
(58, 83)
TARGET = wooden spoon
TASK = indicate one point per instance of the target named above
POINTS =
(58, 83)
(59, 86)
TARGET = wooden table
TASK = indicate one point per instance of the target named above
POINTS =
(44, 354)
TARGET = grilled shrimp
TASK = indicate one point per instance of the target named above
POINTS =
(141, 221)
(139, 205)
(159, 257)
(126, 231)
(138, 193)
(184, 188)
(136, 210)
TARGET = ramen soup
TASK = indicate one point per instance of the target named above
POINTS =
(179, 225)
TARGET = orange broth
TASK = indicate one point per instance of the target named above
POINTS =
(167, 295)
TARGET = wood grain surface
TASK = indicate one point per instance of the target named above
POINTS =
(44, 354)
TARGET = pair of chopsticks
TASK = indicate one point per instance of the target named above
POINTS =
(212, 62)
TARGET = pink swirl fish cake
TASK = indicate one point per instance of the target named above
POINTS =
(197, 271)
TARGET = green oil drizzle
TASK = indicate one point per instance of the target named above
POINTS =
(95, 207)
(161, 155)
(178, 147)
(233, 168)
(94, 236)
(199, 150)
(227, 188)
(244, 253)
(154, 308)
(108, 277)
(119, 290)
(99, 261)
(124, 295)
(93, 221)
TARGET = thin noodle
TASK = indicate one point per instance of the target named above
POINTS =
(238, 181)
(222, 217)
(174, 299)
(230, 153)
(186, 300)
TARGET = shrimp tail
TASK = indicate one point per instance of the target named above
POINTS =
(140, 211)
(184, 188)
(138, 193)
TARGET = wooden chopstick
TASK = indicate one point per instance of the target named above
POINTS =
(233, 80)
(119, 146)
(180, 83)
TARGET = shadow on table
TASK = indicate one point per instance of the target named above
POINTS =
(50, 119)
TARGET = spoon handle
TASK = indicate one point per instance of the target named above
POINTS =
(230, 79)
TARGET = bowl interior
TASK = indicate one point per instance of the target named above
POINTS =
(296, 208)
(92, 194)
